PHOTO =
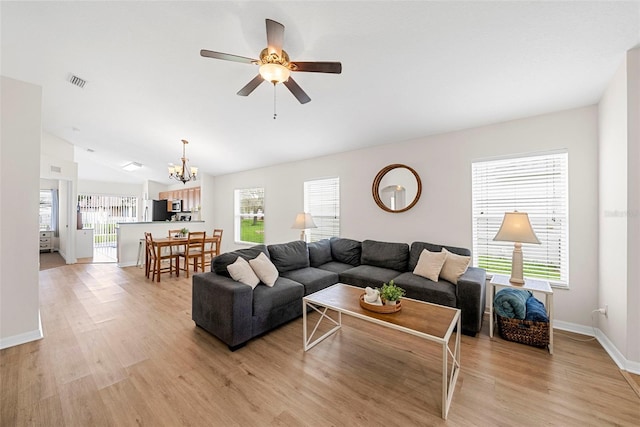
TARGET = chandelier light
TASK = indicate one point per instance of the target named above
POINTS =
(183, 173)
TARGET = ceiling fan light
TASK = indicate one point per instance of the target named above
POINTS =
(274, 73)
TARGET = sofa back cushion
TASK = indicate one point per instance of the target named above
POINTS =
(220, 263)
(417, 247)
(319, 252)
(346, 251)
(289, 256)
(394, 256)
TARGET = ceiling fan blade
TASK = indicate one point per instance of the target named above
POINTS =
(251, 86)
(275, 37)
(297, 91)
(318, 67)
(227, 57)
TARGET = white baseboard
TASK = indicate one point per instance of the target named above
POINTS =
(613, 352)
(24, 337)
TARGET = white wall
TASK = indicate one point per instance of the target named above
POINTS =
(20, 145)
(612, 157)
(443, 214)
(619, 187)
(633, 200)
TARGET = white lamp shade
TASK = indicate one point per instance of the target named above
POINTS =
(516, 228)
(303, 221)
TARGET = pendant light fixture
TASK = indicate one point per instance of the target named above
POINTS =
(184, 173)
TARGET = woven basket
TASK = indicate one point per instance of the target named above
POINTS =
(524, 331)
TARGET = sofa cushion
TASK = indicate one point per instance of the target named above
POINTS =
(283, 292)
(430, 264)
(416, 287)
(367, 275)
(220, 263)
(313, 279)
(289, 256)
(454, 266)
(319, 252)
(242, 272)
(393, 256)
(264, 269)
(335, 266)
(417, 247)
(346, 251)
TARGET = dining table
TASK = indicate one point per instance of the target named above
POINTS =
(175, 241)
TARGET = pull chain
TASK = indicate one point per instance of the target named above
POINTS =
(275, 115)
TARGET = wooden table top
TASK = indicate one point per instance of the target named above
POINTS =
(426, 318)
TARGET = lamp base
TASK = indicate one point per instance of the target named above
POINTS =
(516, 282)
(303, 236)
(516, 265)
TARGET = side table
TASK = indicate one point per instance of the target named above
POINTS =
(534, 285)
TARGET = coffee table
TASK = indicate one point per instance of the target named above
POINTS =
(431, 322)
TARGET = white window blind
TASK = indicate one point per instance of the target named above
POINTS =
(537, 185)
(249, 215)
(322, 201)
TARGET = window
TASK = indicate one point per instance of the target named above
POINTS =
(322, 201)
(249, 215)
(536, 185)
(49, 210)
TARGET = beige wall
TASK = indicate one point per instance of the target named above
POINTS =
(20, 144)
(443, 214)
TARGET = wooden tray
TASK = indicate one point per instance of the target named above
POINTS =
(385, 309)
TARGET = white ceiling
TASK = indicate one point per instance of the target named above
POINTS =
(410, 69)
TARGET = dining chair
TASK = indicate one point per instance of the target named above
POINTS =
(174, 233)
(212, 247)
(157, 260)
(194, 251)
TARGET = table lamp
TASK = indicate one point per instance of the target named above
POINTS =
(516, 228)
(303, 221)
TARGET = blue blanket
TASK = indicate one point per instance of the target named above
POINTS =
(511, 303)
(536, 311)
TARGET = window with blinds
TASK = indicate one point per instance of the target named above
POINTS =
(322, 201)
(537, 185)
(249, 215)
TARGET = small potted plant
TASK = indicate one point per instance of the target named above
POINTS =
(390, 293)
(184, 232)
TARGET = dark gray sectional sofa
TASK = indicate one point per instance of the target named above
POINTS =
(235, 313)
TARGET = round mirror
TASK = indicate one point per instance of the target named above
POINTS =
(396, 188)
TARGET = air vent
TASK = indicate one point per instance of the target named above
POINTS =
(56, 169)
(77, 81)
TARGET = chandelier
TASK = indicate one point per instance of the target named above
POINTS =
(183, 173)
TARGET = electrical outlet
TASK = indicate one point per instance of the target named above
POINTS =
(604, 310)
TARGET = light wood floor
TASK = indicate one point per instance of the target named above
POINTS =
(120, 350)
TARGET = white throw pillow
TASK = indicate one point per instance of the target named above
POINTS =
(242, 272)
(454, 266)
(264, 269)
(429, 264)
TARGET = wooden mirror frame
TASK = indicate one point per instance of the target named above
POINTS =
(375, 189)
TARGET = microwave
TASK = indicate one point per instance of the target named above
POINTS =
(176, 206)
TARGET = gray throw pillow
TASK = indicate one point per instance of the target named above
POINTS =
(289, 256)
(319, 252)
(346, 251)
(394, 256)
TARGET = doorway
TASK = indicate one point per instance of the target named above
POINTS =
(101, 213)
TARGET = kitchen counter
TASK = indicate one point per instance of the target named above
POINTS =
(130, 233)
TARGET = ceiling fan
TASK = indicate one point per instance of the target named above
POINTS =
(275, 65)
